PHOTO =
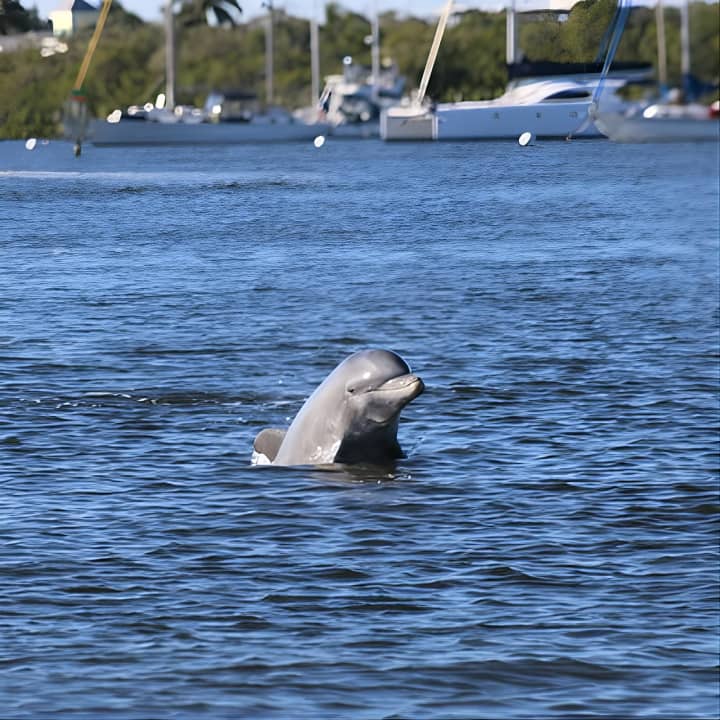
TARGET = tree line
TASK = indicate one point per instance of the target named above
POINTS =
(128, 67)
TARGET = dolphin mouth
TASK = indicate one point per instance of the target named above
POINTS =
(388, 399)
(409, 385)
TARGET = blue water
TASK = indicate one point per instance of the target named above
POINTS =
(549, 547)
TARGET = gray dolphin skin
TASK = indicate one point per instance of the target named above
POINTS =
(352, 417)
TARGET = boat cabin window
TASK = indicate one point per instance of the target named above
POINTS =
(569, 95)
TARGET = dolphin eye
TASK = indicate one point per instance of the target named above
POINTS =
(351, 389)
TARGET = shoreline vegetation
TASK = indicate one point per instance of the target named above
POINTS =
(128, 67)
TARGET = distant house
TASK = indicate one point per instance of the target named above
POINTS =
(73, 15)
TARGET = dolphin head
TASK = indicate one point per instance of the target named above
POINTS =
(378, 384)
(352, 417)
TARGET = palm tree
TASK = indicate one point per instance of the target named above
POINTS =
(193, 12)
(212, 12)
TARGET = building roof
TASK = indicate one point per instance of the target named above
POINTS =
(76, 6)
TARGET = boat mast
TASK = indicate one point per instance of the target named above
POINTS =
(432, 56)
(375, 55)
(169, 56)
(269, 70)
(685, 45)
(314, 60)
(662, 48)
(510, 34)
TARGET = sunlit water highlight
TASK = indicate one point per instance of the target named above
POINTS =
(549, 548)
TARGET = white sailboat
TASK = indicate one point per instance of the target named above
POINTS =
(227, 118)
(661, 121)
(550, 100)
(549, 107)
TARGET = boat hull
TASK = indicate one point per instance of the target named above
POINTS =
(143, 132)
(408, 124)
(469, 121)
(639, 129)
(465, 121)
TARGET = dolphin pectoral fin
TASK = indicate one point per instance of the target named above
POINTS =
(266, 445)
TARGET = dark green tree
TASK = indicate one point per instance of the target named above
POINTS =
(14, 18)
(129, 65)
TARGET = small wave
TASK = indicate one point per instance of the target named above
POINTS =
(133, 189)
(506, 573)
(523, 670)
(190, 352)
(143, 396)
(257, 184)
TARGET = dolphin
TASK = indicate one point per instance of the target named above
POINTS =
(352, 417)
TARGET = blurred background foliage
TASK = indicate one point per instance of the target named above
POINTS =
(128, 67)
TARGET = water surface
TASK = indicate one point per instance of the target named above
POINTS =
(549, 547)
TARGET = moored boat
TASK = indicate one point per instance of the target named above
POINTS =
(353, 101)
(661, 123)
(548, 106)
(227, 118)
(670, 119)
